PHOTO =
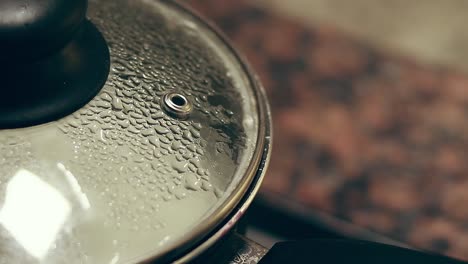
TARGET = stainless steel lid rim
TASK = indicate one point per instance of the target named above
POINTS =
(201, 241)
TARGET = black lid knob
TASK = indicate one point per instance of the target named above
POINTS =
(52, 60)
(32, 29)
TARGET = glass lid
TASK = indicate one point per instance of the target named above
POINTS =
(158, 158)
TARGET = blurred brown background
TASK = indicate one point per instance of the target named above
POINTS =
(370, 111)
(431, 31)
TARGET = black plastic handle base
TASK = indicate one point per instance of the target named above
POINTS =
(32, 29)
(52, 60)
(348, 251)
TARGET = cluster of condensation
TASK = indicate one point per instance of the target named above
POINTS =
(124, 141)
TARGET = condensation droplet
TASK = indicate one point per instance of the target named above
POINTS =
(192, 182)
(161, 130)
(218, 193)
(206, 186)
(148, 132)
(180, 167)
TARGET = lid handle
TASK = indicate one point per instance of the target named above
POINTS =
(33, 29)
(53, 61)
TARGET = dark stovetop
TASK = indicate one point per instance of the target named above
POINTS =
(368, 143)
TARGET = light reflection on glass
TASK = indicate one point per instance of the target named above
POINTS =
(115, 259)
(33, 213)
(75, 186)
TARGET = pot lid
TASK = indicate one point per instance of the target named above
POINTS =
(157, 152)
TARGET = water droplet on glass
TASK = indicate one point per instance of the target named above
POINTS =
(148, 132)
(180, 167)
(161, 130)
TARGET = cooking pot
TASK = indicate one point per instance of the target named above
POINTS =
(133, 134)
